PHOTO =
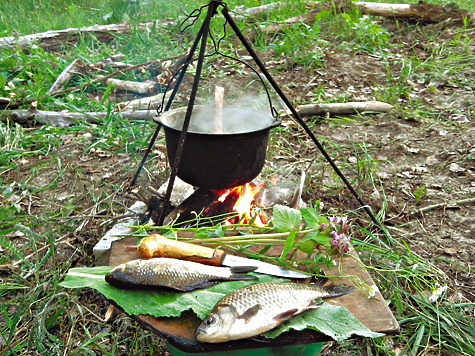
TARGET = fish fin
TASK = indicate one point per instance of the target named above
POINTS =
(336, 290)
(250, 313)
(316, 304)
(243, 269)
(197, 286)
(285, 315)
(320, 281)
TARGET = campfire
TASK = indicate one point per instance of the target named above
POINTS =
(244, 205)
(228, 206)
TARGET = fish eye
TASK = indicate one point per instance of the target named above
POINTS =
(209, 320)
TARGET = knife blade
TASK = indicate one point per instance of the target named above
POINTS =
(157, 245)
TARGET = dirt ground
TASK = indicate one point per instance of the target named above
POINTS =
(416, 162)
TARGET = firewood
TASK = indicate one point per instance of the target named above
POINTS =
(64, 119)
(344, 108)
(134, 87)
(55, 40)
(420, 13)
(70, 71)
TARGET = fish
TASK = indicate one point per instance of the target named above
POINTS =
(173, 273)
(257, 308)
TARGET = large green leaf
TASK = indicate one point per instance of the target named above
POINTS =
(330, 320)
(336, 322)
(159, 302)
(285, 218)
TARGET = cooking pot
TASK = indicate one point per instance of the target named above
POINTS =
(219, 159)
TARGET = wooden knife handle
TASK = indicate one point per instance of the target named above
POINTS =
(158, 246)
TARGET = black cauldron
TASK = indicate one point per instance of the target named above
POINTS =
(219, 160)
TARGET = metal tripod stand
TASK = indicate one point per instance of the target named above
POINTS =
(202, 37)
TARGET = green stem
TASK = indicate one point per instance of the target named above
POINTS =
(247, 237)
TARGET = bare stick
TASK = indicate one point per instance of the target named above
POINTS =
(134, 87)
(55, 40)
(447, 205)
(344, 108)
(113, 74)
(65, 119)
(70, 71)
(218, 109)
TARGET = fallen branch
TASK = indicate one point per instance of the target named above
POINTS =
(148, 103)
(447, 205)
(134, 110)
(344, 108)
(70, 71)
(422, 13)
(116, 73)
(55, 40)
(64, 119)
(147, 87)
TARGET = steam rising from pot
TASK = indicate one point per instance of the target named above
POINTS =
(235, 119)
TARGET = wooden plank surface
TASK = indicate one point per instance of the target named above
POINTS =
(372, 312)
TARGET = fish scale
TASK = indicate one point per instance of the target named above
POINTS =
(173, 273)
(254, 309)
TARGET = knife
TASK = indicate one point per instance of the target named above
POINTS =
(158, 246)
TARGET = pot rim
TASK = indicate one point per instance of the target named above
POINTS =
(160, 118)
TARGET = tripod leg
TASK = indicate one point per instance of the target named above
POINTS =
(297, 116)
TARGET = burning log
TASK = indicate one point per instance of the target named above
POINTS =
(194, 205)
(218, 205)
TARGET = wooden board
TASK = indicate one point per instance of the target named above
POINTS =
(179, 332)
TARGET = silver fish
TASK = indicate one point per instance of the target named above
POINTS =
(173, 273)
(257, 308)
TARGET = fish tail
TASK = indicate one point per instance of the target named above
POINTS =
(336, 290)
(238, 273)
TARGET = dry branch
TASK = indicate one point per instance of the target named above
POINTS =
(149, 103)
(421, 13)
(64, 119)
(447, 205)
(344, 108)
(132, 111)
(179, 60)
(134, 87)
(54, 40)
(70, 71)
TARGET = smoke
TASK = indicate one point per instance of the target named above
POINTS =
(235, 119)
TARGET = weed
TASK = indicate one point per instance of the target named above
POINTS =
(419, 192)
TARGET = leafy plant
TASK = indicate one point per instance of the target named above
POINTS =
(419, 192)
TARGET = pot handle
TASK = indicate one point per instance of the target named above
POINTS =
(277, 122)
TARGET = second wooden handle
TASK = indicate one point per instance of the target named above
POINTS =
(158, 246)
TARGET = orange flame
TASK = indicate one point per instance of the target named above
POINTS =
(243, 205)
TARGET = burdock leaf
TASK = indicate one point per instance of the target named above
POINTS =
(334, 321)
(160, 302)
(285, 218)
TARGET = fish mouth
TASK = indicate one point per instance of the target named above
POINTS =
(199, 334)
